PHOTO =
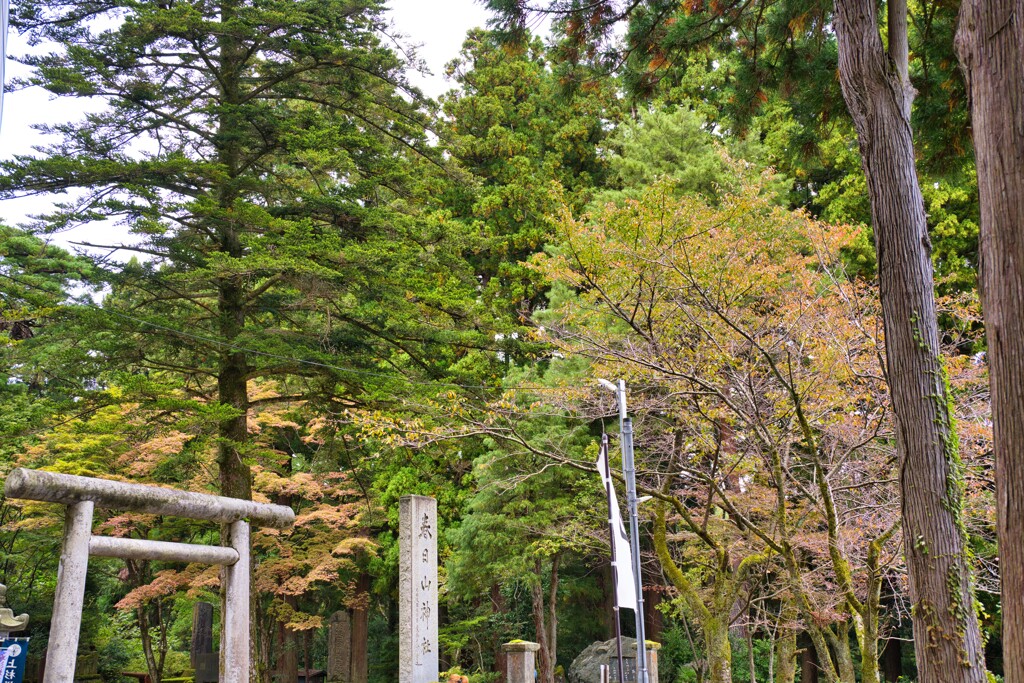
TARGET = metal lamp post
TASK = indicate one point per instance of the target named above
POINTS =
(629, 471)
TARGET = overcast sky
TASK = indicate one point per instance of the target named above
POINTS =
(436, 28)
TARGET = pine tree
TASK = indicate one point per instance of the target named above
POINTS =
(260, 155)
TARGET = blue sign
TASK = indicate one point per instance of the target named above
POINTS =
(13, 655)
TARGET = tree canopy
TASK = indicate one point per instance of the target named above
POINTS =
(302, 281)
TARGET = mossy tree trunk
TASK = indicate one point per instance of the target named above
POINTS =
(712, 615)
(785, 648)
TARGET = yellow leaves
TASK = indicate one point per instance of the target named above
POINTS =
(301, 621)
(354, 545)
(143, 459)
(342, 516)
(302, 485)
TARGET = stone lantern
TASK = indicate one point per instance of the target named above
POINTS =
(8, 622)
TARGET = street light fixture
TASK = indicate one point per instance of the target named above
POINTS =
(629, 473)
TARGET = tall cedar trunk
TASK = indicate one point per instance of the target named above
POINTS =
(553, 614)
(500, 656)
(892, 660)
(878, 94)
(808, 660)
(232, 371)
(545, 668)
(360, 631)
(990, 42)
(287, 668)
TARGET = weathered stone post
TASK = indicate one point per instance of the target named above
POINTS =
(339, 648)
(417, 579)
(521, 661)
(70, 594)
(652, 660)
(235, 633)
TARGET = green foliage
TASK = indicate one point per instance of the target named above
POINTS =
(674, 144)
(515, 128)
(316, 287)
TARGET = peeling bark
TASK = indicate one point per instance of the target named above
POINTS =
(990, 44)
(879, 95)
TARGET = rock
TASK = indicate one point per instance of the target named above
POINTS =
(586, 668)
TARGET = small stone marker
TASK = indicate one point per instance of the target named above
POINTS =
(207, 667)
(202, 631)
(339, 648)
(417, 579)
(628, 670)
(521, 661)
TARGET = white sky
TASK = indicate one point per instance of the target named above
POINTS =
(436, 28)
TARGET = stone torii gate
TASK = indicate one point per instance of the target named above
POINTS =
(81, 495)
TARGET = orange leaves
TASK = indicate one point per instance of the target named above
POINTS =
(325, 571)
(166, 583)
(693, 6)
(146, 457)
(657, 62)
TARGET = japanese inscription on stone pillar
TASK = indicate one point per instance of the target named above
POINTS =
(417, 541)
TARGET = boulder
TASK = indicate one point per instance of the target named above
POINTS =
(586, 668)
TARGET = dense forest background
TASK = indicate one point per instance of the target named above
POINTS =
(311, 285)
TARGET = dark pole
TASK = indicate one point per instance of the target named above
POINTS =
(615, 569)
(629, 471)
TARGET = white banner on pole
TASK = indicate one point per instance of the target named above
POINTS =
(625, 583)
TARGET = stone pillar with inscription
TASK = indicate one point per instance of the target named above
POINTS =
(417, 579)
(202, 632)
(339, 648)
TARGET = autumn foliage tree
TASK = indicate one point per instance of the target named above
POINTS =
(761, 397)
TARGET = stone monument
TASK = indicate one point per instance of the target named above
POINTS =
(202, 632)
(339, 648)
(417, 579)
(586, 668)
